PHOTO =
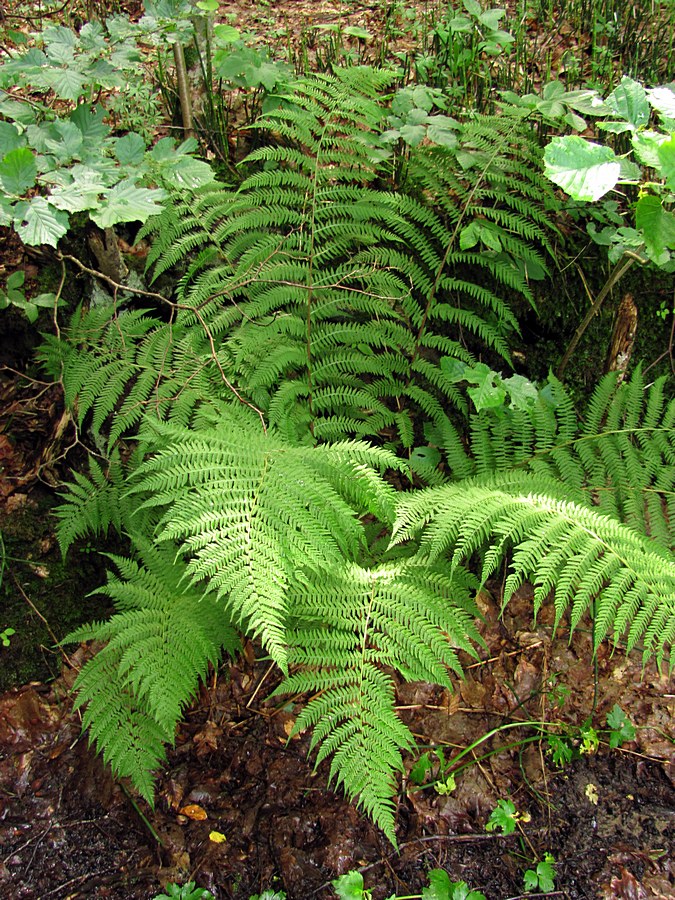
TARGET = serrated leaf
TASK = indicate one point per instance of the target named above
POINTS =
(67, 84)
(91, 124)
(663, 100)
(10, 138)
(126, 202)
(188, 173)
(41, 223)
(130, 149)
(439, 886)
(656, 224)
(65, 141)
(18, 171)
(629, 101)
(646, 146)
(349, 886)
(666, 157)
(585, 170)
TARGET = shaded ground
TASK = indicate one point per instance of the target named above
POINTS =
(67, 831)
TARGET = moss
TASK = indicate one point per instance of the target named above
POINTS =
(34, 572)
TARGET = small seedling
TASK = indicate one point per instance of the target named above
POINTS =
(589, 741)
(543, 877)
(350, 887)
(505, 817)
(621, 728)
(6, 635)
(269, 895)
(185, 892)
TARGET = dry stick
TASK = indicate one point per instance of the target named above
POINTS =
(114, 284)
(47, 625)
(183, 89)
(619, 271)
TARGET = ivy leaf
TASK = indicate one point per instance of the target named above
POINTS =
(585, 170)
(18, 171)
(127, 202)
(38, 222)
(656, 223)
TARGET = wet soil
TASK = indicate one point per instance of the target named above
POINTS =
(239, 808)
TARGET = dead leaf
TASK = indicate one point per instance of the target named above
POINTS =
(194, 811)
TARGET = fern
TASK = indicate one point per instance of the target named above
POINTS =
(313, 309)
(158, 647)
(348, 627)
(332, 296)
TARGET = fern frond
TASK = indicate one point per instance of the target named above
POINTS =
(586, 555)
(250, 509)
(348, 628)
(158, 647)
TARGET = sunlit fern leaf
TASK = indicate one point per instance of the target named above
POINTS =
(159, 645)
(351, 630)
(589, 558)
(250, 509)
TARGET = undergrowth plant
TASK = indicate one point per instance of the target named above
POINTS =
(316, 353)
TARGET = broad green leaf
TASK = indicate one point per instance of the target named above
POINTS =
(439, 886)
(663, 100)
(91, 124)
(226, 34)
(188, 173)
(60, 43)
(646, 146)
(127, 202)
(92, 36)
(40, 223)
(587, 102)
(628, 100)
(357, 32)
(10, 139)
(6, 211)
(587, 171)
(441, 133)
(666, 156)
(130, 149)
(65, 142)
(78, 189)
(67, 84)
(18, 171)
(523, 393)
(656, 224)
(165, 148)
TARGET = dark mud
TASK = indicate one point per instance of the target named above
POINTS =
(68, 831)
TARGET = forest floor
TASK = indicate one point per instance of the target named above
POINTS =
(608, 817)
(68, 831)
